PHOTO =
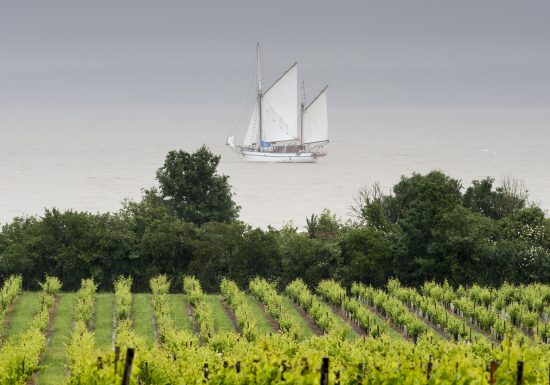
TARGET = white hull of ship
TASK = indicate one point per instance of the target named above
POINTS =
(278, 157)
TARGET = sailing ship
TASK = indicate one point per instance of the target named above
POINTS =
(280, 128)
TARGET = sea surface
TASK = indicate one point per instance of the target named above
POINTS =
(92, 158)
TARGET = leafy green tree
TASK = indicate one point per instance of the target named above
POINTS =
(374, 209)
(192, 189)
(257, 256)
(367, 255)
(70, 245)
(461, 247)
(325, 226)
(163, 243)
(308, 258)
(422, 202)
(523, 251)
(481, 198)
(214, 250)
(508, 198)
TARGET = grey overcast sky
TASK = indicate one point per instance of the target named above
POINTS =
(410, 52)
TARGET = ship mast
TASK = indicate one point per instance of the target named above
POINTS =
(302, 106)
(259, 95)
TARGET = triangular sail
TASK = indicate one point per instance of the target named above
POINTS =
(280, 109)
(315, 120)
(251, 136)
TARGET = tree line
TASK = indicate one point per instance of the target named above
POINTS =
(428, 227)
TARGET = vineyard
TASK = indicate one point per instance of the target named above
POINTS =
(435, 334)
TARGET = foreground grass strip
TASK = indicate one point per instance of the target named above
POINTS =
(104, 319)
(262, 323)
(302, 324)
(55, 355)
(178, 306)
(354, 312)
(8, 294)
(143, 317)
(221, 320)
(344, 324)
(201, 309)
(19, 360)
(24, 311)
(321, 313)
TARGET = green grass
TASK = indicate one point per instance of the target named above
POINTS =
(221, 320)
(262, 323)
(104, 319)
(384, 324)
(55, 356)
(305, 330)
(142, 310)
(23, 312)
(178, 306)
(350, 334)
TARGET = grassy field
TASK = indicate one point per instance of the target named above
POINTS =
(259, 317)
(179, 306)
(42, 351)
(222, 322)
(54, 357)
(24, 310)
(104, 305)
(305, 330)
(59, 331)
(142, 315)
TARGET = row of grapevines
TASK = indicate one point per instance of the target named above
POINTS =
(430, 309)
(509, 303)
(334, 293)
(10, 290)
(90, 366)
(392, 308)
(524, 306)
(123, 298)
(485, 318)
(273, 302)
(85, 302)
(19, 359)
(534, 296)
(319, 312)
(281, 359)
(197, 299)
(382, 361)
(125, 334)
(243, 312)
(81, 349)
(169, 337)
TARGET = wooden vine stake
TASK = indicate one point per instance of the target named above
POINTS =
(324, 371)
(117, 355)
(128, 366)
(205, 371)
(492, 368)
(520, 373)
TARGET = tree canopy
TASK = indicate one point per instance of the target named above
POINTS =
(193, 191)
(427, 228)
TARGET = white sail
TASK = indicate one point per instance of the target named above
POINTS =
(280, 108)
(251, 136)
(315, 120)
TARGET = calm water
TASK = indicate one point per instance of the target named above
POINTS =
(93, 158)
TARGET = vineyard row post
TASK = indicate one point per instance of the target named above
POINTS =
(324, 371)
(128, 366)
